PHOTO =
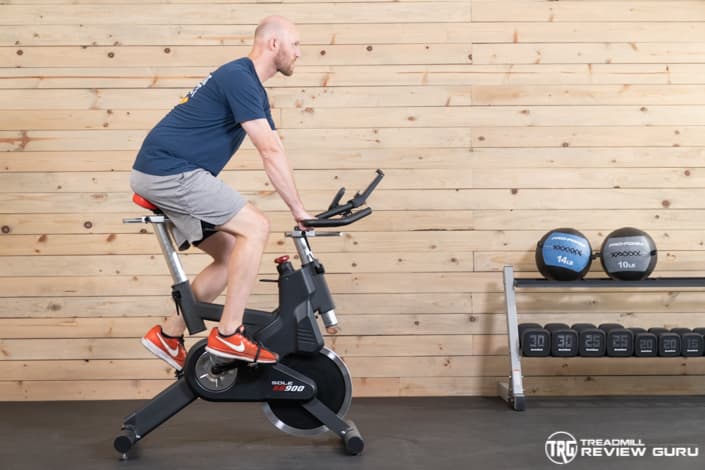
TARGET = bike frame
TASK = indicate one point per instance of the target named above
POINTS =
(291, 328)
(299, 290)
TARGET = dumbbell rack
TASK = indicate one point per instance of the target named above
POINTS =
(513, 391)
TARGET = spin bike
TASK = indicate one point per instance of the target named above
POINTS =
(309, 390)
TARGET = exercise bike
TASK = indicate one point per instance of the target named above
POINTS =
(309, 391)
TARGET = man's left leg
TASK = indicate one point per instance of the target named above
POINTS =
(250, 227)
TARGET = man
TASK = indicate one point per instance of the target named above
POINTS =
(176, 170)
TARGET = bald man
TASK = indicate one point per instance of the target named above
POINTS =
(177, 168)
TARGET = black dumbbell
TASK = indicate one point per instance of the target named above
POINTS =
(692, 343)
(592, 341)
(620, 341)
(534, 340)
(645, 343)
(564, 340)
(700, 331)
(669, 343)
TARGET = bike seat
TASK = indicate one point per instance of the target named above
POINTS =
(142, 202)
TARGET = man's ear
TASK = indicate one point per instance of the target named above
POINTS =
(274, 43)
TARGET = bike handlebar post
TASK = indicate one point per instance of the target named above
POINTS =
(303, 248)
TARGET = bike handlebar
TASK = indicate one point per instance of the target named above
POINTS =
(354, 217)
(325, 219)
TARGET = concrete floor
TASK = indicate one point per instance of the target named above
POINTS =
(408, 433)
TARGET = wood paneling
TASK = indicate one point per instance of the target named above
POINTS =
(494, 122)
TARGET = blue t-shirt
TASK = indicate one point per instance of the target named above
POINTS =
(204, 131)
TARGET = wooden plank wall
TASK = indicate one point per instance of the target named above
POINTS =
(493, 120)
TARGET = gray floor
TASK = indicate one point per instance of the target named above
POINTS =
(410, 433)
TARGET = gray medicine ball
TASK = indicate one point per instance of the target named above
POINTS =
(628, 254)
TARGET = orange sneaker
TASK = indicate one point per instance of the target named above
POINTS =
(239, 346)
(169, 349)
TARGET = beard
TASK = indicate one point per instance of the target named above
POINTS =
(284, 66)
(286, 70)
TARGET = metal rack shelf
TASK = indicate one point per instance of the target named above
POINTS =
(513, 391)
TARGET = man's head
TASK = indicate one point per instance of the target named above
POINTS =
(277, 40)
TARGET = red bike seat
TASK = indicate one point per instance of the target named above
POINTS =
(142, 202)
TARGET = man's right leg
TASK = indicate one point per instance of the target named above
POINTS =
(251, 230)
(166, 341)
(211, 281)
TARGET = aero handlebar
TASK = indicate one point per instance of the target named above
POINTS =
(325, 219)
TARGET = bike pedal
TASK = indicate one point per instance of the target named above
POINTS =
(221, 365)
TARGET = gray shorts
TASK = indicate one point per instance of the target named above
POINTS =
(189, 199)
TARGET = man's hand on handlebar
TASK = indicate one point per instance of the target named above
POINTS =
(299, 217)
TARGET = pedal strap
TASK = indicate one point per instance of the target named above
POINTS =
(259, 346)
(176, 296)
(241, 330)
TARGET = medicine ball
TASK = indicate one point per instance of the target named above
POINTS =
(628, 254)
(563, 254)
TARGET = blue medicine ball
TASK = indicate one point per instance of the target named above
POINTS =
(563, 254)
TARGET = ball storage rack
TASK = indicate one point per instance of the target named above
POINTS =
(512, 391)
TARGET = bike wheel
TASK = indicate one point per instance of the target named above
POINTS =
(334, 390)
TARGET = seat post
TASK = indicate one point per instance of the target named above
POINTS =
(170, 254)
(161, 225)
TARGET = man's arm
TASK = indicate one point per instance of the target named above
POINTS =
(276, 165)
